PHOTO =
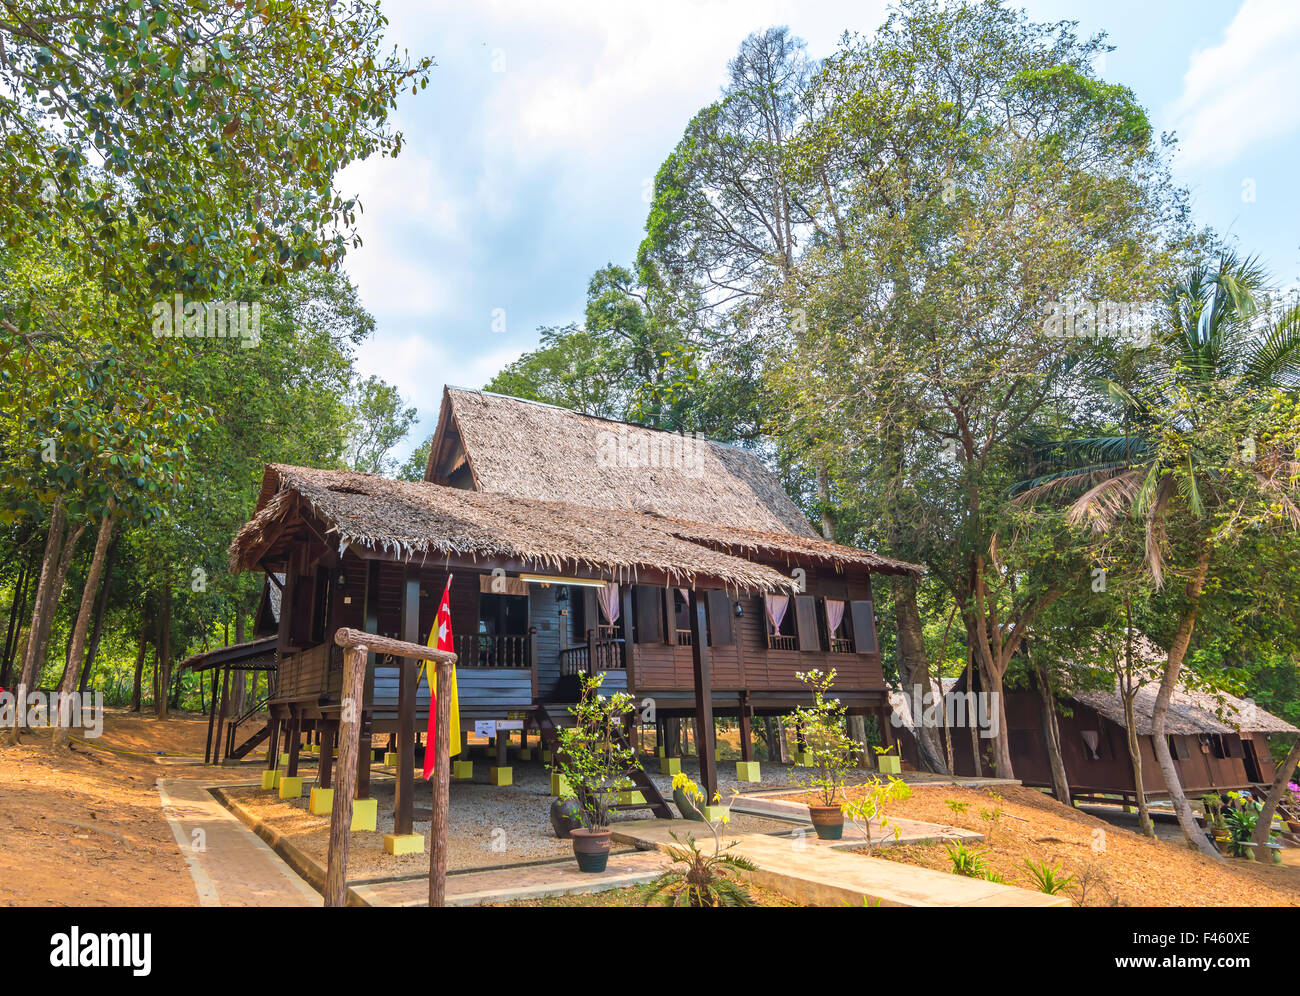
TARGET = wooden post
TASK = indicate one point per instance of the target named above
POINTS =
(441, 781)
(354, 681)
(404, 791)
(746, 734)
(704, 738)
(219, 754)
(295, 741)
(273, 744)
(209, 749)
(325, 772)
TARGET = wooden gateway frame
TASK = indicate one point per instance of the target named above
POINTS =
(357, 647)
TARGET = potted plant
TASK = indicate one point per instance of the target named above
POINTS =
(829, 750)
(594, 758)
(888, 763)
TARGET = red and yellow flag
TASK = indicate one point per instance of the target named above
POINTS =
(440, 639)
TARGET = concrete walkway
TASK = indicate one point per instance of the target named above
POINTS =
(231, 866)
(503, 885)
(815, 872)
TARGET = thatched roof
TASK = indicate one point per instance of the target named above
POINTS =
(422, 521)
(527, 449)
(1190, 712)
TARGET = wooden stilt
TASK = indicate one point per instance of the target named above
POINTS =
(325, 772)
(746, 734)
(704, 738)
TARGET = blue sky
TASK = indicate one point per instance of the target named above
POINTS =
(529, 157)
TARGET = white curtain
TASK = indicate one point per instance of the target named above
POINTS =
(607, 597)
(834, 614)
(776, 606)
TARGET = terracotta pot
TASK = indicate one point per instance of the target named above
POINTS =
(1293, 826)
(591, 848)
(828, 821)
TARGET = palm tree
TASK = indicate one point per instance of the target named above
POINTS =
(1178, 455)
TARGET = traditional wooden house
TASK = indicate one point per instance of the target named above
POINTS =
(674, 565)
(1218, 742)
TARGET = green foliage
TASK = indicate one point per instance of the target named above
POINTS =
(832, 750)
(1048, 878)
(869, 807)
(592, 753)
(702, 880)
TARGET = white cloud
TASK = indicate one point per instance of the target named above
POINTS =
(1242, 91)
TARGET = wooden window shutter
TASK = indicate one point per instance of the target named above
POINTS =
(669, 615)
(649, 614)
(805, 622)
(719, 609)
(590, 612)
(863, 620)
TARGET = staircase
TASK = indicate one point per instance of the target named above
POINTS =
(654, 800)
(236, 753)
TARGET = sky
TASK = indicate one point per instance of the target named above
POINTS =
(529, 158)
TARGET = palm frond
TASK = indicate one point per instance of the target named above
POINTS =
(1102, 505)
(1155, 530)
(1276, 359)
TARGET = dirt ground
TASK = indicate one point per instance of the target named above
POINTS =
(86, 828)
(1116, 865)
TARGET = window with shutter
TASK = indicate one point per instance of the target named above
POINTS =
(863, 621)
(719, 611)
(805, 612)
(649, 614)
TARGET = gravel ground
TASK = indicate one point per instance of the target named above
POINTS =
(490, 825)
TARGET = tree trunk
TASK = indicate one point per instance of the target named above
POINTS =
(77, 644)
(914, 670)
(1052, 736)
(163, 670)
(139, 659)
(1264, 825)
(977, 765)
(824, 500)
(1135, 759)
(12, 630)
(97, 630)
(239, 679)
(1160, 712)
(54, 568)
(858, 734)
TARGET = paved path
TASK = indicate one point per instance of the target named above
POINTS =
(501, 885)
(231, 865)
(816, 872)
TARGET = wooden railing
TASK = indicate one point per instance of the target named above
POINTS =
(841, 646)
(683, 638)
(481, 650)
(775, 641)
(592, 657)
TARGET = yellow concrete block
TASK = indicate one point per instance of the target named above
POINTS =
(462, 771)
(284, 759)
(717, 753)
(546, 757)
(269, 778)
(404, 843)
(626, 798)
(365, 814)
(525, 754)
(748, 771)
(390, 759)
(560, 786)
(670, 765)
(290, 788)
(661, 751)
(503, 775)
(714, 814)
(321, 802)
